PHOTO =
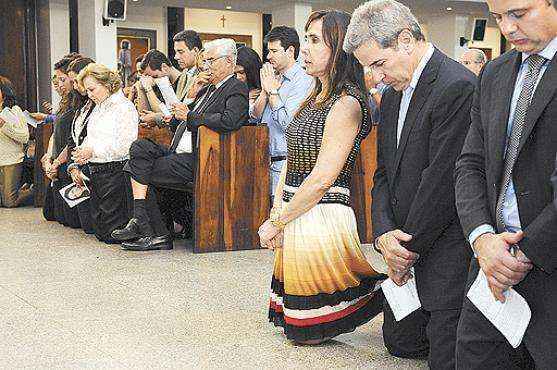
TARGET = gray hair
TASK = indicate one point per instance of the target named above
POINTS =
(479, 56)
(225, 47)
(381, 21)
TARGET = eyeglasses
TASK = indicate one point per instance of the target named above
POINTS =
(209, 62)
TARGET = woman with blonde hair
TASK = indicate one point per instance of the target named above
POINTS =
(322, 284)
(111, 129)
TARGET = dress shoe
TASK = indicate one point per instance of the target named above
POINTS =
(149, 243)
(133, 230)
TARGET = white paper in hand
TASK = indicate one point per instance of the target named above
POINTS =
(510, 318)
(8, 116)
(403, 300)
(30, 120)
(167, 91)
(73, 195)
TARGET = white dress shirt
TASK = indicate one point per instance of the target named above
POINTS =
(409, 91)
(185, 145)
(111, 129)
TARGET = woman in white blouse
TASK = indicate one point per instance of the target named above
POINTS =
(111, 129)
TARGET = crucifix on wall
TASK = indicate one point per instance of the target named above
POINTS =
(223, 19)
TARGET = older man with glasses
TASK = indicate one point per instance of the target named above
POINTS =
(474, 60)
(221, 106)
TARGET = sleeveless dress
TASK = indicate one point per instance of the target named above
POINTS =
(322, 284)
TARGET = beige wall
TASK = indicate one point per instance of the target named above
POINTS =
(59, 37)
(236, 23)
(492, 40)
(149, 18)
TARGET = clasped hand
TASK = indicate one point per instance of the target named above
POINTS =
(501, 268)
(81, 155)
(269, 80)
(181, 111)
(399, 259)
(270, 236)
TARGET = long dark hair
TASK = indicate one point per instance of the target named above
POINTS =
(8, 94)
(62, 65)
(343, 68)
(78, 100)
(249, 59)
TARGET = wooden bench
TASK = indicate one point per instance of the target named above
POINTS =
(232, 189)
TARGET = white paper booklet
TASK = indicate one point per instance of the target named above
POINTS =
(30, 120)
(8, 116)
(403, 300)
(167, 91)
(73, 195)
(511, 318)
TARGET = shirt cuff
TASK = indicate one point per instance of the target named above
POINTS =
(477, 232)
(188, 101)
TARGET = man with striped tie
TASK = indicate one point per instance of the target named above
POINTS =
(503, 193)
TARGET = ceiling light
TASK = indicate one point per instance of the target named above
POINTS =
(449, 8)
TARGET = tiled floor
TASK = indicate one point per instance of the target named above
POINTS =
(70, 302)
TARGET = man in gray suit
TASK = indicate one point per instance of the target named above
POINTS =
(503, 193)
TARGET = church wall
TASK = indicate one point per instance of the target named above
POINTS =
(59, 36)
(149, 18)
(236, 23)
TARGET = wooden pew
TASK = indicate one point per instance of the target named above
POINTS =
(232, 189)
(362, 182)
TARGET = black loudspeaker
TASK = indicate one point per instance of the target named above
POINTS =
(478, 33)
(115, 10)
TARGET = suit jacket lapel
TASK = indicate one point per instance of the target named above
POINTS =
(542, 96)
(419, 98)
(203, 107)
(503, 89)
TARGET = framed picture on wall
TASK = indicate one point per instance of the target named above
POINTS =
(140, 41)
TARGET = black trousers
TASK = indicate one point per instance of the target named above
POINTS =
(481, 346)
(110, 202)
(423, 334)
(49, 211)
(154, 165)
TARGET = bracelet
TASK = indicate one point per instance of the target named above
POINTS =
(278, 223)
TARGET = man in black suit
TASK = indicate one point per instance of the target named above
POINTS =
(503, 190)
(222, 106)
(425, 115)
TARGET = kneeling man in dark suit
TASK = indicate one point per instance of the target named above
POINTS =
(425, 115)
(503, 189)
(222, 106)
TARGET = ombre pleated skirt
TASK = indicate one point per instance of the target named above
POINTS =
(322, 284)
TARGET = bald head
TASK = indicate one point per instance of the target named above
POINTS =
(474, 60)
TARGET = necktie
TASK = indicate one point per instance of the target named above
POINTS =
(534, 64)
(182, 127)
(205, 99)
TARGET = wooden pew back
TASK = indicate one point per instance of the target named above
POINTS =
(232, 188)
